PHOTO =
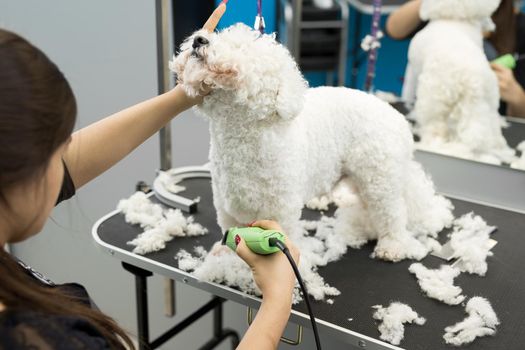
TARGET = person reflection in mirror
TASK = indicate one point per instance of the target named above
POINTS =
(508, 38)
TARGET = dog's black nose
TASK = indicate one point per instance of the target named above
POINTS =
(199, 41)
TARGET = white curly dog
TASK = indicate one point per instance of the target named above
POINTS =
(450, 84)
(276, 144)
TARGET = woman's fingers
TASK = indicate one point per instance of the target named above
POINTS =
(267, 225)
(215, 17)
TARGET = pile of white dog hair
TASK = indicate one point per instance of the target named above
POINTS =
(160, 225)
(469, 240)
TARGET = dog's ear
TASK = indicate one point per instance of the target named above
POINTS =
(225, 77)
(290, 96)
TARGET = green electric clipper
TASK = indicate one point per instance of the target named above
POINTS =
(507, 61)
(256, 238)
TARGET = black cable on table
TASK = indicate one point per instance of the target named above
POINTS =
(277, 243)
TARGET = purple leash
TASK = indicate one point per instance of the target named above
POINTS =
(373, 42)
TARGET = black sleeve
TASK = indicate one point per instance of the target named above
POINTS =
(21, 330)
(68, 188)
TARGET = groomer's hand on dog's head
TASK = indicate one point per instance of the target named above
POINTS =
(272, 273)
(209, 26)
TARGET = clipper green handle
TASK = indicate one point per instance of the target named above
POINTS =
(256, 239)
(508, 61)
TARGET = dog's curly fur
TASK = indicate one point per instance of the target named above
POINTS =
(276, 144)
(450, 84)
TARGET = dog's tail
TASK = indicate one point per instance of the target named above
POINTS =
(428, 212)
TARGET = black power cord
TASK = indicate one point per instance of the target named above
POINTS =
(274, 242)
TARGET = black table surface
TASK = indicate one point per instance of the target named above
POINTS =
(514, 133)
(364, 282)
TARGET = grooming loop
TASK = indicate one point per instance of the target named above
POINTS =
(259, 19)
(371, 43)
(285, 340)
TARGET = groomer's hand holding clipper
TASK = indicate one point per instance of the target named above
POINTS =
(274, 276)
(272, 273)
(510, 90)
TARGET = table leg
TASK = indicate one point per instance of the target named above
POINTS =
(219, 332)
(141, 290)
(141, 294)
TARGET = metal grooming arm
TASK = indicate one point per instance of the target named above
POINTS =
(163, 76)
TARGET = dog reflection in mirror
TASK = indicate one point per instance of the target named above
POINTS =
(449, 82)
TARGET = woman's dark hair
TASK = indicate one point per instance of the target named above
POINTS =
(504, 38)
(37, 115)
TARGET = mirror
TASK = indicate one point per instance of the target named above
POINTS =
(454, 95)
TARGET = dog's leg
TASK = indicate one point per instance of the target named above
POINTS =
(428, 212)
(436, 96)
(381, 190)
(226, 221)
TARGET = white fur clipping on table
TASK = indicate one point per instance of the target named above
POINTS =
(439, 283)
(392, 319)
(138, 209)
(481, 321)
(470, 242)
(161, 225)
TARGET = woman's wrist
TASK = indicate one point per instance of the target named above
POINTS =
(516, 105)
(280, 307)
(518, 98)
(278, 299)
(181, 100)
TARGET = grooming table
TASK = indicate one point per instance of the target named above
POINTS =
(363, 282)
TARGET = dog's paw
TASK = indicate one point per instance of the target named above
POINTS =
(395, 249)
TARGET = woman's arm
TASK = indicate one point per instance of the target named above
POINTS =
(266, 330)
(97, 147)
(275, 277)
(403, 21)
(517, 108)
(510, 90)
